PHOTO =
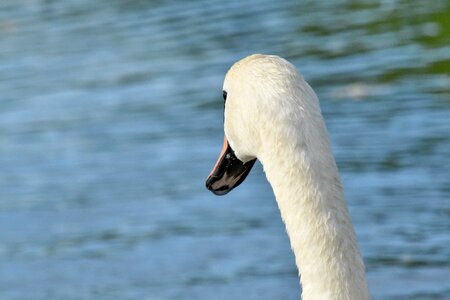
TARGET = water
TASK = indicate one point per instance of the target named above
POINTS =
(111, 118)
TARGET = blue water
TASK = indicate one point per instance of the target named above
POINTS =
(111, 119)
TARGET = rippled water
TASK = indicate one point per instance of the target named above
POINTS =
(111, 118)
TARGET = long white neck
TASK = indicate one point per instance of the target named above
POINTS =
(305, 180)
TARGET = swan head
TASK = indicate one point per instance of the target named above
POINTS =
(260, 94)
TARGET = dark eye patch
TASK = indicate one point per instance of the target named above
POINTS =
(224, 100)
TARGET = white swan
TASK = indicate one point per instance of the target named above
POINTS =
(272, 114)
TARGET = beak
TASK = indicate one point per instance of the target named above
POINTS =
(229, 171)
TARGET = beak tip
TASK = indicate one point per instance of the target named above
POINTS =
(208, 183)
(218, 192)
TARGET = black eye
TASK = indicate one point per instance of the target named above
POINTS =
(224, 96)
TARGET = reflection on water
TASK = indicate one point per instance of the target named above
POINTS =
(110, 119)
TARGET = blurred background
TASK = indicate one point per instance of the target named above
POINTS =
(111, 119)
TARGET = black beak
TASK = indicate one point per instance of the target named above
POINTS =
(229, 171)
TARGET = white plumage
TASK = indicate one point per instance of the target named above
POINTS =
(272, 114)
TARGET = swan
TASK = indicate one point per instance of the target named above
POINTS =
(272, 114)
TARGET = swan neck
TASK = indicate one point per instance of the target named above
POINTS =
(308, 191)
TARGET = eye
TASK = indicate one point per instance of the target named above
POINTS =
(224, 96)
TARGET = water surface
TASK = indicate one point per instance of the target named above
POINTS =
(111, 118)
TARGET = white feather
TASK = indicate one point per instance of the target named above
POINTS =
(272, 114)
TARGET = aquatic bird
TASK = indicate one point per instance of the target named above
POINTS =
(272, 114)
